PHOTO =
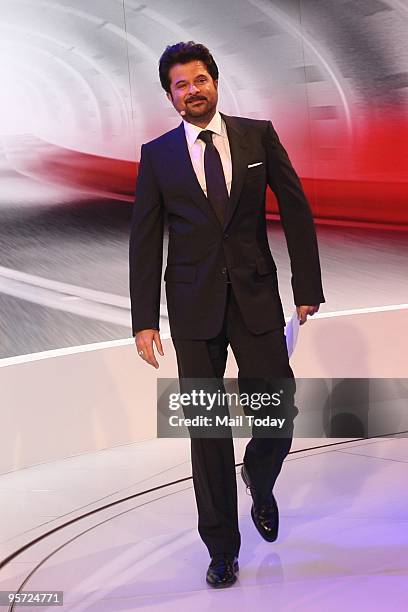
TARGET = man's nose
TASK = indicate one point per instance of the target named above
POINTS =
(193, 89)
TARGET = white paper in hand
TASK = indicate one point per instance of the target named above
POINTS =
(291, 333)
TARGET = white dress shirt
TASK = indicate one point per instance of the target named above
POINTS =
(196, 148)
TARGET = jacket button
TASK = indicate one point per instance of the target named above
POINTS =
(226, 236)
(224, 271)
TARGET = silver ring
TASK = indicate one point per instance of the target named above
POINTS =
(141, 353)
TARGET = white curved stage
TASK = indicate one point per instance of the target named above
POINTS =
(342, 543)
(103, 395)
(93, 505)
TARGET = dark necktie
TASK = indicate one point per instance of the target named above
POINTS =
(217, 192)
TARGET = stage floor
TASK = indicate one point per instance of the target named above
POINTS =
(117, 530)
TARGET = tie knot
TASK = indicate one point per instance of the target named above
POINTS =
(206, 135)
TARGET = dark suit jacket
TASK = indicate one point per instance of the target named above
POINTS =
(201, 253)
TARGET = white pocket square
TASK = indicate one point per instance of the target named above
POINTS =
(255, 164)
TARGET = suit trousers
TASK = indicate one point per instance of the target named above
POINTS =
(258, 356)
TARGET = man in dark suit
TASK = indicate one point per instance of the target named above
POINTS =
(209, 175)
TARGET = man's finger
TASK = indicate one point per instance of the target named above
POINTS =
(145, 350)
(301, 315)
(304, 311)
(150, 356)
(151, 359)
(158, 343)
(140, 348)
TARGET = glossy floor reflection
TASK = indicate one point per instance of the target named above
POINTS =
(342, 543)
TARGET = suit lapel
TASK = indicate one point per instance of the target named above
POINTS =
(239, 160)
(181, 158)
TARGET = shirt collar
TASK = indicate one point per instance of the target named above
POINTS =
(192, 131)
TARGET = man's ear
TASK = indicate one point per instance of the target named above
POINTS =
(216, 83)
(169, 96)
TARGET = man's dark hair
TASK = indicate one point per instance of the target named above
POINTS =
(181, 53)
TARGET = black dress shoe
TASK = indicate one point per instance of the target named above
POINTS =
(265, 515)
(222, 570)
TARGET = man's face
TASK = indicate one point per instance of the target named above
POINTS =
(193, 90)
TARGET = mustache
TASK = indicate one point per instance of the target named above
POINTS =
(195, 99)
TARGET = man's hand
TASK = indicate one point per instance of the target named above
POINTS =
(144, 343)
(303, 311)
